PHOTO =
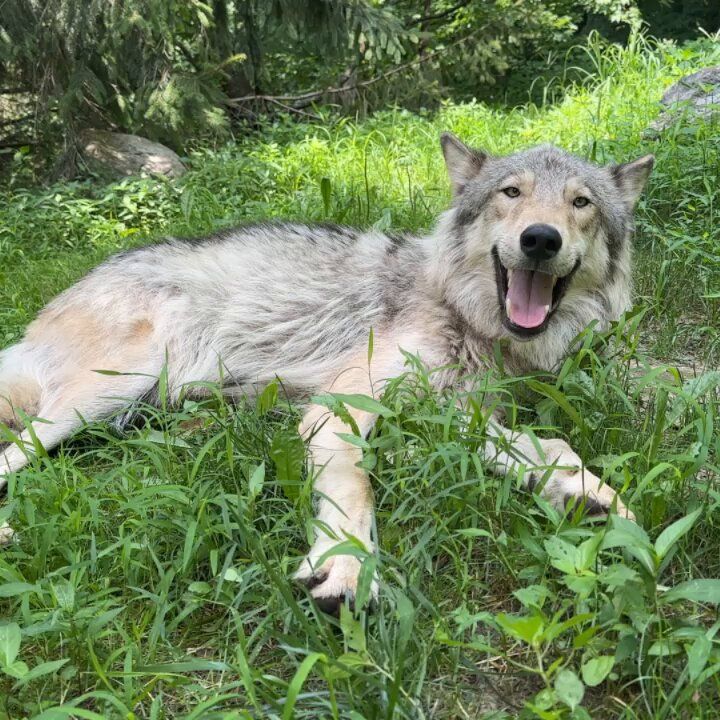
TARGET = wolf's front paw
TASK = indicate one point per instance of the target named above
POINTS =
(333, 581)
(581, 487)
(6, 534)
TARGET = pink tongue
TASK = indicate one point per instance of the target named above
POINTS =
(529, 297)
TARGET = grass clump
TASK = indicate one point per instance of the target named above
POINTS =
(151, 575)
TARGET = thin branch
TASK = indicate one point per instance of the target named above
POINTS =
(309, 97)
(437, 16)
(292, 109)
(16, 121)
(16, 143)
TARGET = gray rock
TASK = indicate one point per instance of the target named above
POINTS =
(116, 155)
(697, 95)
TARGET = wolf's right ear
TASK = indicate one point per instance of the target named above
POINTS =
(463, 163)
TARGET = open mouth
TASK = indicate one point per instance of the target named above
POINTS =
(528, 298)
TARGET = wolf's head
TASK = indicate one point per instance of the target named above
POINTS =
(537, 243)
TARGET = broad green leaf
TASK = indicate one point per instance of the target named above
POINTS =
(560, 400)
(68, 712)
(474, 532)
(189, 542)
(664, 648)
(287, 451)
(232, 575)
(532, 595)
(257, 480)
(562, 554)
(670, 535)
(200, 588)
(366, 577)
(43, 669)
(364, 403)
(12, 589)
(569, 688)
(9, 643)
(525, 627)
(352, 630)
(297, 682)
(64, 593)
(594, 671)
(634, 544)
(405, 612)
(691, 390)
(187, 666)
(706, 591)
(698, 655)
(17, 670)
(267, 399)
(326, 192)
(587, 551)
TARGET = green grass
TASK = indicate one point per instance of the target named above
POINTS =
(152, 570)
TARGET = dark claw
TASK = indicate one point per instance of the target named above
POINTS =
(315, 580)
(532, 482)
(332, 605)
(591, 505)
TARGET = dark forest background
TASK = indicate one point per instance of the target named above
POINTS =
(187, 72)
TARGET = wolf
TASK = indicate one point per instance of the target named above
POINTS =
(535, 246)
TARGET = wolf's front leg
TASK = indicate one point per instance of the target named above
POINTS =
(555, 468)
(345, 507)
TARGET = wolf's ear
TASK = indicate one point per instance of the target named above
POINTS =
(463, 163)
(631, 177)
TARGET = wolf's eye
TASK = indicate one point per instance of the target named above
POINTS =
(511, 191)
(581, 202)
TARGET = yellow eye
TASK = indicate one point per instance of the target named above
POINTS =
(581, 202)
(511, 191)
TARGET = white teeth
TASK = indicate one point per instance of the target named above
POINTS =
(547, 309)
(507, 307)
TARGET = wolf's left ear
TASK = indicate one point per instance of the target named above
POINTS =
(463, 163)
(631, 177)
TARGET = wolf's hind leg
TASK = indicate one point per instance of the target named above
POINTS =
(58, 420)
(565, 476)
(58, 417)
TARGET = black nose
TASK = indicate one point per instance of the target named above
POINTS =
(540, 241)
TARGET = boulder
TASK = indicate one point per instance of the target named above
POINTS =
(697, 94)
(116, 155)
